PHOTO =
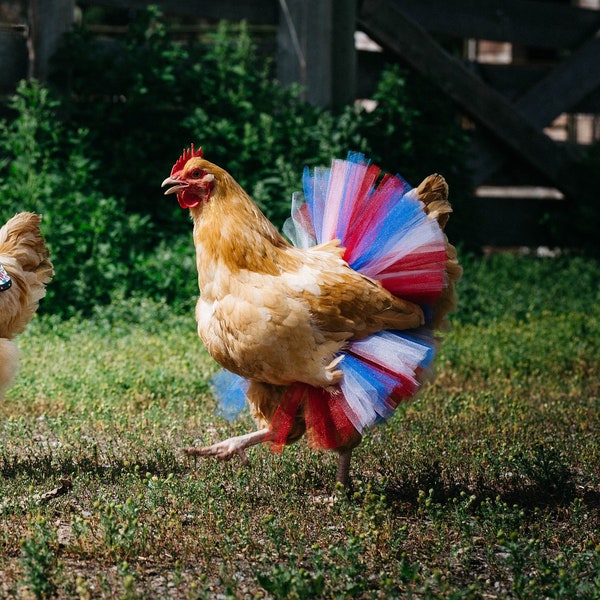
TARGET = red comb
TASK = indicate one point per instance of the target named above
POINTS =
(185, 156)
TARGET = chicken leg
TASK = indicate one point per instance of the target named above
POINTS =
(228, 448)
(343, 468)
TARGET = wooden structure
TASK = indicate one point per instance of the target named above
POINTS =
(553, 69)
(511, 105)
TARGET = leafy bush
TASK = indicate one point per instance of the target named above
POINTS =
(91, 154)
(157, 95)
(44, 168)
(414, 130)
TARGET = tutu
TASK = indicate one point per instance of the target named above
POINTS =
(387, 236)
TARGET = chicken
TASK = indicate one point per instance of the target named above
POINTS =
(306, 329)
(25, 269)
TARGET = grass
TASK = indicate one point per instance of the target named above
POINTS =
(486, 486)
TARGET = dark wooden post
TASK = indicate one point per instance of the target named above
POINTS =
(316, 49)
(48, 20)
(13, 49)
(343, 53)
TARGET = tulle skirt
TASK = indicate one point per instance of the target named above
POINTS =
(387, 236)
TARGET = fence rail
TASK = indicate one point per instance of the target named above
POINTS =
(552, 70)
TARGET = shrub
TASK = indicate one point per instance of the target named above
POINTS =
(91, 154)
(158, 94)
(44, 168)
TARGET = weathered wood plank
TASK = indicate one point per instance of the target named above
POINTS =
(513, 81)
(388, 26)
(49, 19)
(13, 59)
(568, 83)
(590, 104)
(343, 53)
(509, 80)
(304, 55)
(527, 22)
(316, 49)
(257, 11)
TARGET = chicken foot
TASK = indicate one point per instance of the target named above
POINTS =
(228, 448)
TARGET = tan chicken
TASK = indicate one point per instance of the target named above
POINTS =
(282, 317)
(25, 269)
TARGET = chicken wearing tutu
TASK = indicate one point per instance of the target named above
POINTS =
(326, 335)
(25, 270)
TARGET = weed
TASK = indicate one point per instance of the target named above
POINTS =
(289, 581)
(121, 528)
(547, 467)
(39, 559)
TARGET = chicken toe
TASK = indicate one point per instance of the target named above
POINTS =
(230, 447)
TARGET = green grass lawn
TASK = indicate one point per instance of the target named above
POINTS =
(485, 486)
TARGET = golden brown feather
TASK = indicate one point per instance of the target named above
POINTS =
(24, 255)
(433, 192)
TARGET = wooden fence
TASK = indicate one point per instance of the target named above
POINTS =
(527, 77)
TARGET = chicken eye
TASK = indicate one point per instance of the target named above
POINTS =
(196, 173)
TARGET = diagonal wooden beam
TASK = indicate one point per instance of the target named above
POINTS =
(565, 85)
(388, 26)
(526, 22)
(561, 89)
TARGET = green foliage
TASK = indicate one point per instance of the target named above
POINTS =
(292, 582)
(260, 131)
(505, 286)
(222, 95)
(45, 168)
(39, 560)
(120, 525)
(414, 130)
(131, 100)
(157, 95)
(91, 155)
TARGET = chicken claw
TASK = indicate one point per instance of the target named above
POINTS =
(228, 448)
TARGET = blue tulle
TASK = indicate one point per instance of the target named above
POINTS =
(402, 217)
(230, 389)
(366, 391)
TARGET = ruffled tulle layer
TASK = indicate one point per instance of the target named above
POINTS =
(388, 237)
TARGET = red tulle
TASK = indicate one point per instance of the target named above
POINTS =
(327, 425)
(283, 419)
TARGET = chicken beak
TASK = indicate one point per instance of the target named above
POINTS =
(176, 184)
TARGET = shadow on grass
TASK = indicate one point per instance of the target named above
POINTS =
(522, 491)
(48, 464)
